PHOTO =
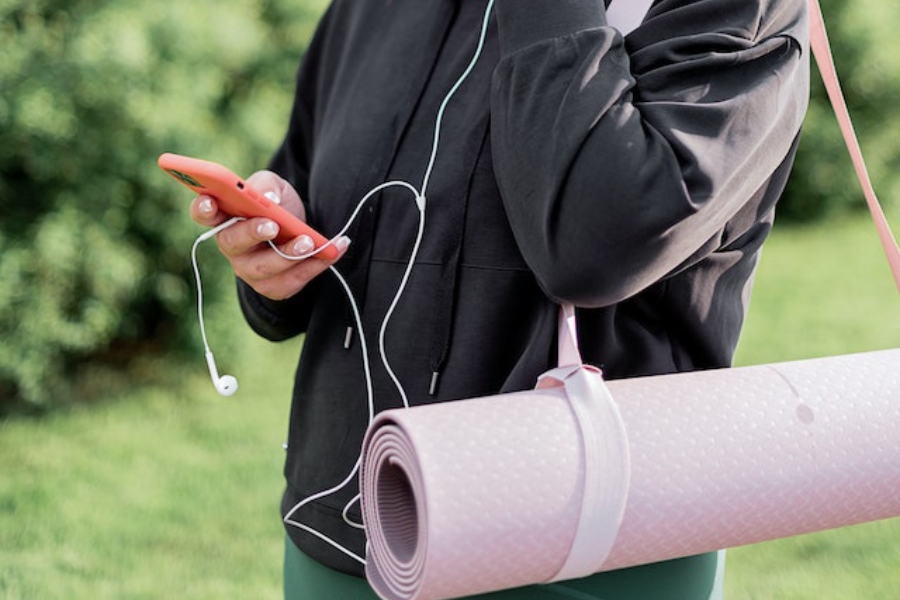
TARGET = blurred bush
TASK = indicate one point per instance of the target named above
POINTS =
(94, 238)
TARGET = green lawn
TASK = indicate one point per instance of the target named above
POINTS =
(821, 290)
(172, 492)
(160, 493)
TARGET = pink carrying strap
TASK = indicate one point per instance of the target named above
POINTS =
(567, 344)
(822, 52)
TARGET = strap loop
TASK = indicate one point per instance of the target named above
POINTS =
(606, 468)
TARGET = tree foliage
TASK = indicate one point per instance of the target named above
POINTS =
(94, 239)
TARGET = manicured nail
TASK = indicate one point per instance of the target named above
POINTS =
(273, 197)
(303, 245)
(342, 243)
(267, 230)
(205, 207)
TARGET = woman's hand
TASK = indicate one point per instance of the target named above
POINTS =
(245, 244)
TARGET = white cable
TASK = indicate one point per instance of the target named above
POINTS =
(346, 516)
(288, 518)
(196, 268)
(390, 312)
(199, 283)
(370, 395)
(420, 201)
(420, 198)
(367, 368)
(446, 101)
(353, 215)
(367, 371)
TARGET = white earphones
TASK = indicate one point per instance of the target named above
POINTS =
(420, 199)
(226, 385)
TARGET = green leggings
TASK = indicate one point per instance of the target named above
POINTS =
(694, 578)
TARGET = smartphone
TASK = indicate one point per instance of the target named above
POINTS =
(236, 198)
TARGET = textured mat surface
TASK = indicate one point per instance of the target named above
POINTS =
(485, 494)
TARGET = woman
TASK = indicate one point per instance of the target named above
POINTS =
(635, 178)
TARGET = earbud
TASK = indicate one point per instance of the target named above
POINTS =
(226, 385)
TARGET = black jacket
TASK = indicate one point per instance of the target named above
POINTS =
(634, 178)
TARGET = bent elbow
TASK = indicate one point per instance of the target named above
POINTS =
(593, 284)
(597, 271)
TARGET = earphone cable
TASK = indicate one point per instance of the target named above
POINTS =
(196, 269)
(420, 199)
(440, 115)
(199, 284)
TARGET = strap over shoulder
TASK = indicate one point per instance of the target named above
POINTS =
(822, 51)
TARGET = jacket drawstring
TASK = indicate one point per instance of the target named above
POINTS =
(448, 297)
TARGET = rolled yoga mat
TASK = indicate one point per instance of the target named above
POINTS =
(493, 493)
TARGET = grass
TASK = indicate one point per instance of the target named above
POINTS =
(821, 290)
(165, 492)
(171, 491)
(846, 564)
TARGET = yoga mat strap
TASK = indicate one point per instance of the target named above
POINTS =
(821, 49)
(605, 463)
(567, 334)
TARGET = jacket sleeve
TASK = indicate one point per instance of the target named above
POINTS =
(621, 162)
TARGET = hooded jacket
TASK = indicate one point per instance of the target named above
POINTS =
(634, 178)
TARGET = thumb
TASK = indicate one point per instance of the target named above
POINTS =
(278, 190)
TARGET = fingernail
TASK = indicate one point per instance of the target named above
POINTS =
(303, 245)
(273, 197)
(267, 229)
(342, 243)
(206, 206)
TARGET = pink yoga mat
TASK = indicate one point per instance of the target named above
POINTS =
(486, 494)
